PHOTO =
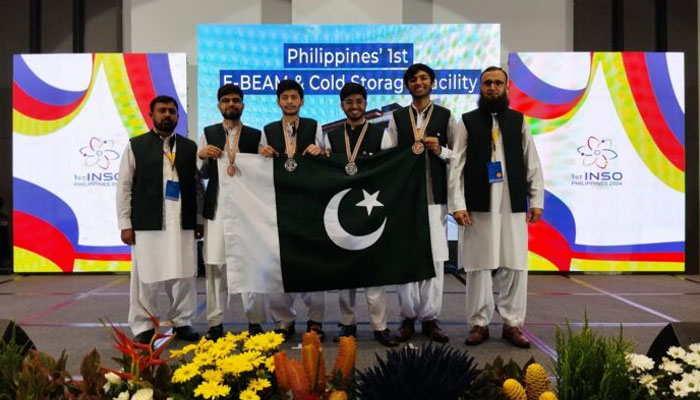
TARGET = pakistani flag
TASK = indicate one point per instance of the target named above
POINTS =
(317, 228)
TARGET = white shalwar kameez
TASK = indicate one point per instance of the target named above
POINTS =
(496, 239)
(423, 300)
(214, 254)
(164, 258)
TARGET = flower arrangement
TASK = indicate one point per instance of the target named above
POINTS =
(234, 367)
(536, 385)
(307, 380)
(675, 377)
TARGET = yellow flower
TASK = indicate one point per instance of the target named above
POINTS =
(211, 390)
(270, 364)
(213, 375)
(235, 364)
(267, 341)
(258, 384)
(203, 359)
(249, 395)
(222, 348)
(183, 351)
(185, 373)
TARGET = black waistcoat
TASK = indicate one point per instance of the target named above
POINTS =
(437, 127)
(216, 136)
(306, 135)
(371, 144)
(479, 148)
(147, 187)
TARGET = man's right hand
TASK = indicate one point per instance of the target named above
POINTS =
(209, 151)
(128, 237)
(267, 151)
(462, 217)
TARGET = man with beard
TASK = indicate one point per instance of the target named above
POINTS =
(422, 125)
(157, 205)
(219, 146)
(357, 137)
(494, 171)
(290, 138)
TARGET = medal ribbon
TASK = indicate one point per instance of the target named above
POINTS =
(290, 143)
(232, 148)
(353, 156)
(419, 133)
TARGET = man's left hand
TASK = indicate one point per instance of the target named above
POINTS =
(534, 214)
(432, 144)
(313, 150)
(199, 231)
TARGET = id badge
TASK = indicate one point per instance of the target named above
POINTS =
(172, 190)
(495, 171)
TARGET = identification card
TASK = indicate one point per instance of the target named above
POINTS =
(495, 171)
(172, 190)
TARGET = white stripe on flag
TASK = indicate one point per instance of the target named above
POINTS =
(248, 203)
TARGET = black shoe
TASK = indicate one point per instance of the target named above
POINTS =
(145, 336)
(316, 327)
(386, 338)
(346, 330)
(287, 333)
(255, 329)
(433, 331)
(186, 333)
(215, 332)
(406, 330)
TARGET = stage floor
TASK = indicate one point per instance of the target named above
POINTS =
(64, 312)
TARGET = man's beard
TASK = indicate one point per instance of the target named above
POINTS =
(496, 105)
(165, 125)
(232, 115)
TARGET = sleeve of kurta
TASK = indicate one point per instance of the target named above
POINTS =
(199, 193)
(390, 139)
(124, 188)
(202, 164)
(446, 153)
(321, 138)
(455, 177)
(263, 139)
(535, 179)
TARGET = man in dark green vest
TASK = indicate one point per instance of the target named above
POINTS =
(219, 146)
(358, 138)
(157, 198)
(425, 129)
(290, 138)
(495, 188)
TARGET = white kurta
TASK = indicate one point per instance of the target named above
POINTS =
(160, 255)
(497, 238)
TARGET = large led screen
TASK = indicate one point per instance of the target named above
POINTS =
(609, 129)
(72, 116)
(324, 57)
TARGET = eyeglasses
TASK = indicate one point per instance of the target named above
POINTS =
(350, 102)
(490, 82)
(234, 100)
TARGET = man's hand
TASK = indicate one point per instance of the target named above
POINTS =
(128, 237)
(268, 151)
(462, 217)
(199, 231)
(432, 144)
(209, 151)
(313, 150)
(534, 215)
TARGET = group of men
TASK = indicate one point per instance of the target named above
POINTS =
(482, 168)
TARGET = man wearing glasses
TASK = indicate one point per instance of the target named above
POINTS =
(494, 173)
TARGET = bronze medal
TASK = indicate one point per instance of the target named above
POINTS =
(418, 148)
(231, 170)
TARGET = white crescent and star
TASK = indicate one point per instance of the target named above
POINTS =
(340, 236)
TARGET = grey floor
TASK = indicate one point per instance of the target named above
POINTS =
(64, 312)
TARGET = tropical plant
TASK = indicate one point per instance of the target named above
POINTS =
(11, 356)
(489, 383)
(428, 372)
(591, 366)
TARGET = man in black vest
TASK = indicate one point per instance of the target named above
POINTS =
(425, 128)
(219, 146)
(157, 198)
(290, 138)
(491, 180)
(358, 138)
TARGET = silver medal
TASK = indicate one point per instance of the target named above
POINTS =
(290, 165)
(351, 168)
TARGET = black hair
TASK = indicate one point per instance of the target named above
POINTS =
(352, 88)
(414, 69)
(163, 99)
(289, 84)
(493, 68)
(227, 89)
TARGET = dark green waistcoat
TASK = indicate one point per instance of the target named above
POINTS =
(306, 135)
(371, 144)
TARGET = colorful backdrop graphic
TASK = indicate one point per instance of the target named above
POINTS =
(72, 116)
(609, 128)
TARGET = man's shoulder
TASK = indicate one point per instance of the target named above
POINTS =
(216, 126)
(146, 136)
(308, 121)
(250, 129)
(184, 140)
(272, 125)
